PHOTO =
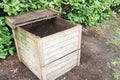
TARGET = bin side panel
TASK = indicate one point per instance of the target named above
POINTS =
(16, 44)
(61, 66)
(60, 44)
(27, 46)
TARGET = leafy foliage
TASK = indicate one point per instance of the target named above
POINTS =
(87, 12)
(5, 40)
(14, 7)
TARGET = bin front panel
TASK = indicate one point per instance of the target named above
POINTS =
(59, 45)
(61, 66)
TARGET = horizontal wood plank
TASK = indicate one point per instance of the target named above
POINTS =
(61, 45)
(59, 34)
(60, 40)
(61, 71)
(59, 53)
(53, 64)
(61, 66)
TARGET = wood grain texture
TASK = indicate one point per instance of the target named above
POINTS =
(44, 76)
(59, 34)
(49, 56)
(27, 45)
(42, 56)
(60, 44)
(61, 66)
(60, 53)
(79, 43)
(16, 44)
(60, 40)
(30, 17)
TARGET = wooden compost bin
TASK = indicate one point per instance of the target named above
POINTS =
(47, 44)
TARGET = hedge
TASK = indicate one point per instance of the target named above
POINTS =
(86, 12)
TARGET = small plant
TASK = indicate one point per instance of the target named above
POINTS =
(117, 31)
(115, 66)
(115, 40)
(117, 75)
(5, 40)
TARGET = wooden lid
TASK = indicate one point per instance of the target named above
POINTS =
(30, 17)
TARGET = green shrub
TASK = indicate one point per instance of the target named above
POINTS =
(14, 7)
(87, 12)
(5, 40)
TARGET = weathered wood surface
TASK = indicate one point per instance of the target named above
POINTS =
(79, 43)
(27, 46)
(30, 17)
(52, 51)
(59, 34)
(61, 66)
(16, 44)
(50, 56)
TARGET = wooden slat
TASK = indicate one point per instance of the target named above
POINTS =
(16, 44)
(61, 66)
(55, 57)
(22, 38)
(79, 43)
(80, 35)
(44, 76)
(53, 64)
(59, 34)
(60, 40)
(42, 57)
(30, 17)
(28, 34)
(61, 72)
(28, 52)
(62, 49)
(26, 45)
(29, 58)
(59, 53)
(61, 45)
(33, 68)
(39, 52)
(25, 42)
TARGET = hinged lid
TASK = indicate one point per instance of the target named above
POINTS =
(30, 17)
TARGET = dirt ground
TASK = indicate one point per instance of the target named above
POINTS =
(95, 54)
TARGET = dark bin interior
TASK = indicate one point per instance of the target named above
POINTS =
(48, 27)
